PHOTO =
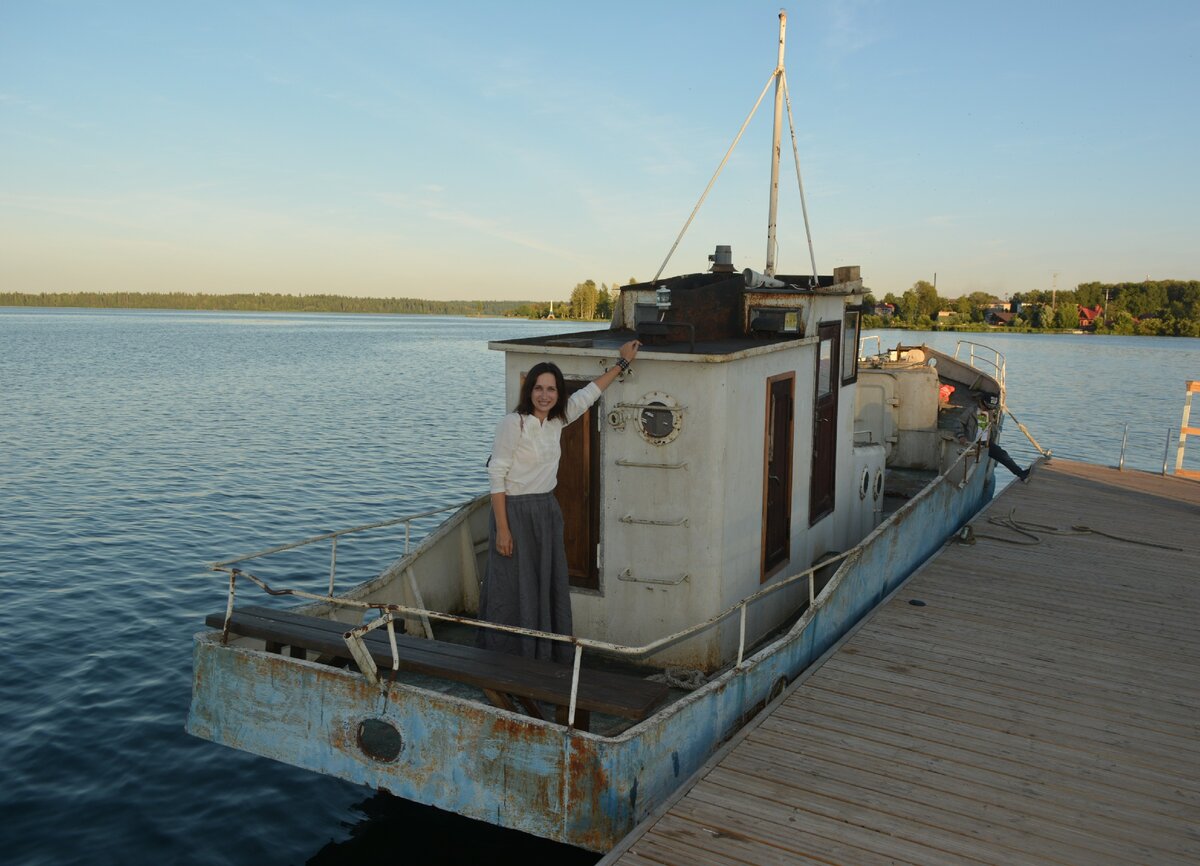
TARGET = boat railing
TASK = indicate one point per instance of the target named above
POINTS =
(862, 346)
(225, 565)
(390, 612)
(983, 358)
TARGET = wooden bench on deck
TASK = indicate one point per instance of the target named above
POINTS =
(501, 676)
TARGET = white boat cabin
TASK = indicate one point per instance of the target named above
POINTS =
(725, 458)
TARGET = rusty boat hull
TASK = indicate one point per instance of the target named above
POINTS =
(579, 788)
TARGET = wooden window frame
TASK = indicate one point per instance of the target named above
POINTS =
(765, 572)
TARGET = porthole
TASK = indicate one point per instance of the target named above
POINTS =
(864, 484)
(659, 418)
(379, 740)
(878, 487)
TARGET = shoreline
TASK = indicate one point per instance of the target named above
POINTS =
(348, 305)
(4, 307)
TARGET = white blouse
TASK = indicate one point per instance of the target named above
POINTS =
(526, 452)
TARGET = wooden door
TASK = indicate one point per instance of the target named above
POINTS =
(825, 413)
(578, 493)
(777, 473)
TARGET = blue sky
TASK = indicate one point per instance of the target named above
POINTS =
(485, 150)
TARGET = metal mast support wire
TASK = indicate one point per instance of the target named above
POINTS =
(812, 257)
(716, 173)
(782, 97)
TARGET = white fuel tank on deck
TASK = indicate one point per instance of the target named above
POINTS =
(898, 408)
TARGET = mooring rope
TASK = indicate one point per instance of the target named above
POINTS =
(1025, 430)
(968, 535)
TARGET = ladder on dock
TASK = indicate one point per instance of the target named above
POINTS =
(1185, 431)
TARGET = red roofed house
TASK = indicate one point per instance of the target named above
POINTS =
(1089, 315)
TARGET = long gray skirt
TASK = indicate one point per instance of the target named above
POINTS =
(531, 588)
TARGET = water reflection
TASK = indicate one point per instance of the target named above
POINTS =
(391, 828)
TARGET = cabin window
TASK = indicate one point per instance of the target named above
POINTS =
(643, 313)
(825, 365)
(850, 330)
(777, 474)
(825, 414)
(776, 320)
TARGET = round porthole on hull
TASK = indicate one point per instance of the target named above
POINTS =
(379, 740)
(659, 418)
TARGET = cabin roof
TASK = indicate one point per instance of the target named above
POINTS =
(610, 340)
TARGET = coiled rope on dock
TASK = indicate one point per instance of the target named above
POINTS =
(968, 535)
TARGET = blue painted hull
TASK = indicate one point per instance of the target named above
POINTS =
(534, 776)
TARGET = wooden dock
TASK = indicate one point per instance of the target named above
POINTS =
(1011, 703)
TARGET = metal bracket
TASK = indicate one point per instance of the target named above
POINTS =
(627, 574)
(629, 518)
(623, 462)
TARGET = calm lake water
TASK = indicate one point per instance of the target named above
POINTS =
(134, 446)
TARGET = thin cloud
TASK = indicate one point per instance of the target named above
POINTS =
(849, 30)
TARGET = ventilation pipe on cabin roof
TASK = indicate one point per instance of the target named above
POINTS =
(755, 280)
(722, 259)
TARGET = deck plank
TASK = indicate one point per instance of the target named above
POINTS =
(1041, 706)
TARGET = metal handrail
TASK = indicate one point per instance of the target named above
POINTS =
(996, 362)
(223, 565)
(391, 612)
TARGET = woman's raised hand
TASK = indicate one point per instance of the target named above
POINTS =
(629, 350)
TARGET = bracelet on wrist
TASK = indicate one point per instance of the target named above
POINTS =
(623, 364)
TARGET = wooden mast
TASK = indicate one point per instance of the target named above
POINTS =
(769, 270)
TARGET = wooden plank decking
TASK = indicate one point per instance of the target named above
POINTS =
(1042, 706)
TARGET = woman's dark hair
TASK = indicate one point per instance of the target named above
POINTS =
(525, 406)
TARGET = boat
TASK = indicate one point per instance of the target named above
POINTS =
(746, 493)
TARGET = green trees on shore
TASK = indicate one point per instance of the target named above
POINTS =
(586, 302)
(261, 302)
(1152, 307)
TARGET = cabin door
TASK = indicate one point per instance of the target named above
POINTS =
(578, 493)
(777, 471)
(825, 413)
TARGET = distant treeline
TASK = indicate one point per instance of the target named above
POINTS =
(1151, 307)
(262, 302)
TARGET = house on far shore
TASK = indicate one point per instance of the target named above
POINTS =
(1002, 318)
(944, 317)
(1089, 316)
(885, 310)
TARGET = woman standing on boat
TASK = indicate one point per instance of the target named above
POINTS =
(526, 583)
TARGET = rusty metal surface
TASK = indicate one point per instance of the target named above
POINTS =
(468, 757)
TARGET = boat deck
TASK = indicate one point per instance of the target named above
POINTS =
(1011, 703)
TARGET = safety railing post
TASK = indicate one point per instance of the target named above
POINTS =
(574, 686)
(233, 573)
(741, 636)
(332, 563)
(1124, 441)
